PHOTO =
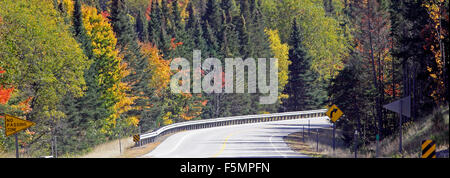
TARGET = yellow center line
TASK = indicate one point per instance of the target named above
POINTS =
(226, 140)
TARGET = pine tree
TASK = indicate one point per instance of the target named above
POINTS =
(194, 30)
(154, 25)
(85, 117)
(299, 87)
(79, 31)
(213, 17)
(228, 34)
(164, 43)
(192, 17)
(346, 92)
(136, 63)
(176, 16)
(165, 13)
(197, 32)
(258, 38)
(140, 29)
(245, 9)
(212, 46)
(121, 23)
(243, 36)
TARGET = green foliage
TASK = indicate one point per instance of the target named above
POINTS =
(325, 39)
(78, 69)
(281, 52)
(154, 25)
(140, 27)
(42, 60)
(300, 86)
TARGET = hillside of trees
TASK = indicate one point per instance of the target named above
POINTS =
(89, 71)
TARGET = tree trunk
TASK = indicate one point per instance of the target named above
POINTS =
(377, 100)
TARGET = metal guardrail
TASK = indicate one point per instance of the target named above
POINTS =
(234, 120)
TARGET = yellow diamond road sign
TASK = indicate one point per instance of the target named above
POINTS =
(334, 113)
(14, 124)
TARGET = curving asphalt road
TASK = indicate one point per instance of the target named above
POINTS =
(263, 140)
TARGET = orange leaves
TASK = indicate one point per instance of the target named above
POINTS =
(148, 11)
(173, 45)
(204, 102)
(25, 105)
(105, 14)
(389, 90)
(5, 94)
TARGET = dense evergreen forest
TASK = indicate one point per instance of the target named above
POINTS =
(89, 71)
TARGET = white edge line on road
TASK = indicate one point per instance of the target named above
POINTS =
(271, 143)
(175, 147)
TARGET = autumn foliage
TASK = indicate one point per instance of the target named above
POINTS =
(5, 93)
(158, 67)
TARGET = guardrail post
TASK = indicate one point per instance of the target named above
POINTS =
(140, 144)
(303, 134)
(309, 128)
(317, 140)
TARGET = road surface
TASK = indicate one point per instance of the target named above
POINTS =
(254, 140)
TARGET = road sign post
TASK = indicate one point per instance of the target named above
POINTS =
(403, 108)
(120, 144)
(17, 145)
(334, 136)
(401, 129)
(317, 140)
(355, 137)
(56, 147)
(309, 129)
(13, 125)
(140, 144)
(303, 134)
(377, 140)
(334, 113)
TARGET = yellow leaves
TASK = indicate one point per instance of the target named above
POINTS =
(281, 52)
(434, 11)
(98, 28)
(111, 70)
(125, 101)
(167, 118)
(187, 118)
(433, 76)
(434, 8)
(133, 120)
(68, 4)
(158, 67)
(103, 43)
(429, 69)
(184, 14)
